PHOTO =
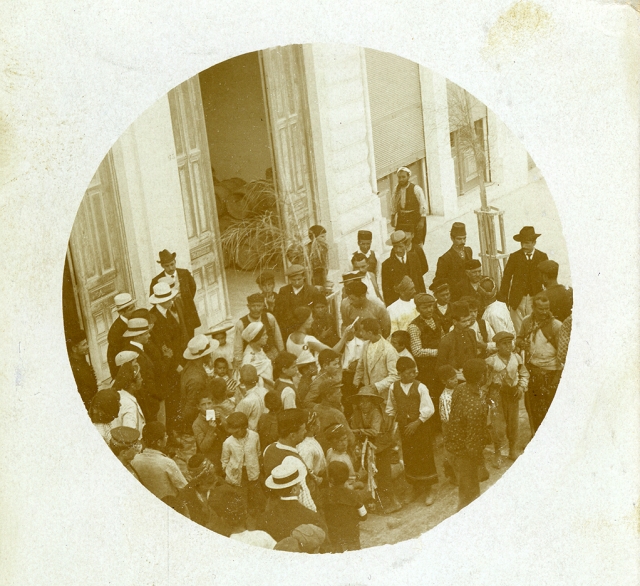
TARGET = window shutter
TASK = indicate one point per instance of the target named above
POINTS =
(395, 101)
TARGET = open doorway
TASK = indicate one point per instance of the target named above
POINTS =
(242, 165)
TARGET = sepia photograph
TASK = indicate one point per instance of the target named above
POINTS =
(289, 292)
(317, 298)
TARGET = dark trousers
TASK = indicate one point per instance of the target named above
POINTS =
(542, 390)
(348, 390)
(468, 483)
(510, 410)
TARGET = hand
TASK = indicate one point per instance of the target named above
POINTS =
(412, 428)
(519, 393)
(167, 352)
(212, 423)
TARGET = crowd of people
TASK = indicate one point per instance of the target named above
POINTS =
(308, 410)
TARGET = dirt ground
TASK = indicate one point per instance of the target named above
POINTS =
(415, 518)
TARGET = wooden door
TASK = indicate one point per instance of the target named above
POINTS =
(100, 262)
(196, 181)
(287, 107)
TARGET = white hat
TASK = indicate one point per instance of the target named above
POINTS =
(136, 327)
(162, 292)
(290, 472)
(170, 280)
(199, 346)
(252, 331)
(125, 356)
(123, 300)
(305, 357)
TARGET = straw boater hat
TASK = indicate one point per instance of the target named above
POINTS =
(125, 356)
(162, 292)
(366, 393)
(396, 237)
(123, 300)
(295, 270)
(136, 327)
(287, 474)
(252, 332)
(526, 234)
(199, 346)
(350, 277)
(220, 328)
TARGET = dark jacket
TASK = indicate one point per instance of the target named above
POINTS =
(85, 378)
(150, 394)
(560, 301)
(393, 271)
(521, 277)
(287, 302)
(193, 381)
(464, 288)
(282, 517)
(187, 295)
(451, 266)
(116, 342)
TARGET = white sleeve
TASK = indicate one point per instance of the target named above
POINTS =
(426, 404)
(288, 396)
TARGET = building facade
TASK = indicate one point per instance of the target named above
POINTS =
(328, 124)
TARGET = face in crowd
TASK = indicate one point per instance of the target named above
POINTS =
(169, 267)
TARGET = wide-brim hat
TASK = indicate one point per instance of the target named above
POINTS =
(396, 238)
(162, 292)
(199, 346)
(295, 270)
(220, 328)
(125, 356)
(164, 257)
(365, 393)
(526, 234)
(123, 300)
(136, 327)
(288, 473)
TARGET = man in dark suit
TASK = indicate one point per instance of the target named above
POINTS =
(522, 279)
(185, 287)
(150, 397)
(167, 337)
(400, 264)
(469, 286)
(125, 306)
(82, 371)
(296, 294)
(451, 265)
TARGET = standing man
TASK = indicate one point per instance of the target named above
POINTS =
(361, 265)
(451, 265)
(560, 297)
(356, 304)
(125, 306)
(83, 373)
(522, 280)
(297, 293)
(257, 314)
(409, 206)
(399, 264)
(538, 337)
(185, 287)
(377, 365)
(194, 379)
(469, 286)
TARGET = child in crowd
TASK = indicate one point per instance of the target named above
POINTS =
(324, 324)
(268, 422)
(344, 510)
(311, 451)
(308, 369)
(338, 438)
(241, 460)
(284, 371)
(484, 332)
(409, 402)
(449, 378)
(221, 370)
(508, 380)
(224, 349)
(401, 341)
(206, 430)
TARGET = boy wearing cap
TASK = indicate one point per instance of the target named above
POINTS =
(330, 369)
(399, 264)
(185, 287)
(451, 265)
(442, 293)
(308, 369)
(125, 306)
(522, 280)
(285, 512)
(329, 413)
(508, 380)
(257, 314)
(297, 293)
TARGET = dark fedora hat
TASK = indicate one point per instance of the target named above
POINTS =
(166, 257)
(526, 234)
